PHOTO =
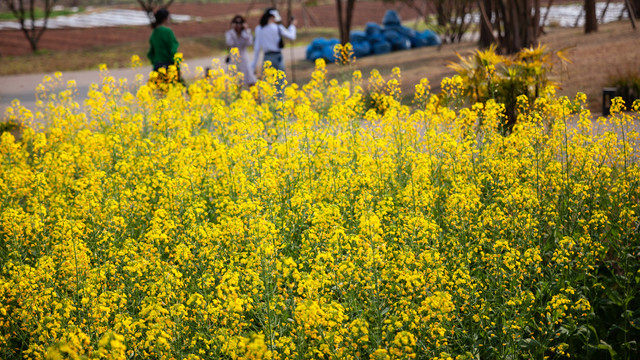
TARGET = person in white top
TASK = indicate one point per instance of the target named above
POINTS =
(268, 36)
(239, 36)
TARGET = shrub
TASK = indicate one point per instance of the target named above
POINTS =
(488, 75)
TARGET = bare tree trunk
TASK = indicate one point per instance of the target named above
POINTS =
(341, 26)
(636, 7)
(486, 27)
(502, 22)
(462, 8)
(450, 16)
(517, 22)
(344, 19)
(351, 4)
(536, 26)
(512, 30)
(546, 15)
(439, 11)
(604, 11)
(631, 11)
(591, 17)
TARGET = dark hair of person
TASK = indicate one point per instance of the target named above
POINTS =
(264, 20)
(161, 16)
(238, 19)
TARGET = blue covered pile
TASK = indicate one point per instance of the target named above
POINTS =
(375, 39)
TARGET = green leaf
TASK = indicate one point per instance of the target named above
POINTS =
(618, 327)
(604, 346)
(615, 298)
(563, 331)
(631, 345)
(584, 332)
(529, 344)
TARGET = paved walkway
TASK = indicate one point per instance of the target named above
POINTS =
(23, 87)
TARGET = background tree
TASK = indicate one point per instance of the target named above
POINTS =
(150, 6)
(590, 16)
(635, 5)
(452, 19)
(513, 25)
(486, 30)
(344, 11)
(25, 11)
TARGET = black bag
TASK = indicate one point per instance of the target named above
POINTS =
(228, 58)
(280, 42)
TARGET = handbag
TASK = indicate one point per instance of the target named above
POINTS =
(280, 42)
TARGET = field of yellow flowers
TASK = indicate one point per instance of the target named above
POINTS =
(327, 222)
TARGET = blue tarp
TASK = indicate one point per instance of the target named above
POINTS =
(372, 29)
(376, 39)
(321, 48)
(391, 18)
(361, 49)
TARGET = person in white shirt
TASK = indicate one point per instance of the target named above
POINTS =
(239, 36)
(268, 37)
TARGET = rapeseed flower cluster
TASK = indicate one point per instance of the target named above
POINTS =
(330, 222)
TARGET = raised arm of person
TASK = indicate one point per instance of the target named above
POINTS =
(245, 39)
(290, 32)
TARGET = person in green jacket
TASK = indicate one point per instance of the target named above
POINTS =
(163, 42)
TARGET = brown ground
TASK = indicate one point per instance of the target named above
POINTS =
(613, 51)
(214, 22)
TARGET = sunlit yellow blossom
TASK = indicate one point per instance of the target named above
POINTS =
(328, 220)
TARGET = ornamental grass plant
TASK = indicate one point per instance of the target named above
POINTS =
(220, 222)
